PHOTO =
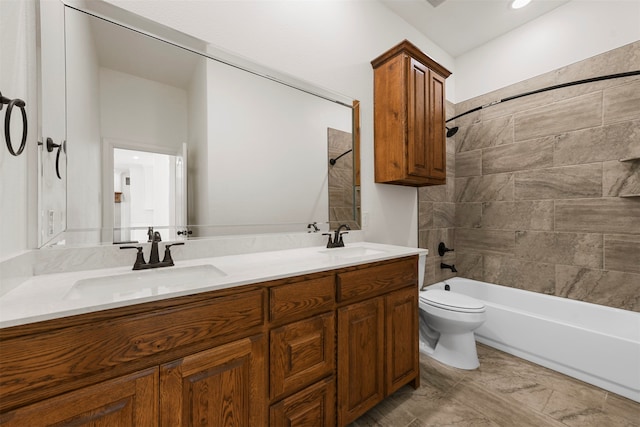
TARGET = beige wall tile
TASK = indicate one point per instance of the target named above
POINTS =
(620, 178)
(425, 215)
(516, 273)
(444, 215)
(559, 183)
(520, 215)
(610, 142)
(485, 134)
(485, 241)
(605, 215)
(610, 288)
(470, 265)
(468, 215)
(484, 188)
(534, 154)
(562, 116)
(469, 163)
(622, 103)
(580, 249)
(622, 253)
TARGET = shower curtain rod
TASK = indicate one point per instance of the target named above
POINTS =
(558, 86)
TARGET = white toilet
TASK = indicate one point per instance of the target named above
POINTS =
(447, 322)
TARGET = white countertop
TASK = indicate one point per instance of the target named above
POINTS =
(52, 296)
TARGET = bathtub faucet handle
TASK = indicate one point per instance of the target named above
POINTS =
(442, 249)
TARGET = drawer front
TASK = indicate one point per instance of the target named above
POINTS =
(313, 406)
(32, 363)
(372, 281)
(301, 353)
(295, 301)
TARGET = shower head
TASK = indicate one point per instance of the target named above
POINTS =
(452, 131)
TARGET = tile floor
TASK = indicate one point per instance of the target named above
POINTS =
(505, 391)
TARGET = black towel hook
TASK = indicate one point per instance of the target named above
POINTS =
(7, 123)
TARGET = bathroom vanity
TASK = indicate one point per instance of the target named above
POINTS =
(316, 347)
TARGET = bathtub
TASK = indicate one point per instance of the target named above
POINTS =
(593, 343)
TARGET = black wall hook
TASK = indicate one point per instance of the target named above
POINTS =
(7, 123)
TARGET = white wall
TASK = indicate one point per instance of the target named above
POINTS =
(84, 180)
(272, 168)
(328, 43)
(575, 31)
(18, 192)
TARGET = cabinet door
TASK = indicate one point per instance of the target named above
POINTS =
(402, 360)
(437, 145)
(418, 119)
(131, 400)
(360, 358)
(301, 353)
(223, 386)
(311, 407)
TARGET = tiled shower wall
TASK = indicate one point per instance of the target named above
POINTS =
(538, 198)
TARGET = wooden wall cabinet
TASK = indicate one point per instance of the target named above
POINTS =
(409, 117)
(315, 350)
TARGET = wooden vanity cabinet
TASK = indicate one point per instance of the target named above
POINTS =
(377, 335)
(314, 350)
(409, 117)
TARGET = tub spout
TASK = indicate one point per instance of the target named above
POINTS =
(452, 267)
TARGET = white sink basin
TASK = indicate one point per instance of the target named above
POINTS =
(351, 252)
(143, 283)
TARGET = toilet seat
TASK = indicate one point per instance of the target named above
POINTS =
(451, 301)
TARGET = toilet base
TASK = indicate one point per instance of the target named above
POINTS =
(457, 350)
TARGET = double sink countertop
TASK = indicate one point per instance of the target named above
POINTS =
(52, 296)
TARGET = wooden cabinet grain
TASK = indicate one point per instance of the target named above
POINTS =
(360, 358)
(314, 350)
(377, 336)
(128, 401)
(409, 117)
(223, 386)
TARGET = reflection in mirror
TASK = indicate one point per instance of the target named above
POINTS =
(257, 148)
(148, 188)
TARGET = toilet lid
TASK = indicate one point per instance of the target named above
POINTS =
(451, 301)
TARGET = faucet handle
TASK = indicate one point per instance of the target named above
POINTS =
(167, 253)
(329, 242)
(139, 257)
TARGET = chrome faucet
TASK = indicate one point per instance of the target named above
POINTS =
(154, 258)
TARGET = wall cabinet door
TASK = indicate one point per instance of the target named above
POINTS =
(402, 357)
(223, 386)
(360, 358)
(130, 400)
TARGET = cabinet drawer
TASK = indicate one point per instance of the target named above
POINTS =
(313, 406)
(372, 281)
(301, 299)
(301, 353)
(32, 364)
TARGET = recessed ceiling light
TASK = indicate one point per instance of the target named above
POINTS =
(517, 4)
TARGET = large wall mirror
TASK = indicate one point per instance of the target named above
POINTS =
(167, 136)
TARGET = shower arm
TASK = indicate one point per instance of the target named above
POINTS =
(333, 161)
(558, 86)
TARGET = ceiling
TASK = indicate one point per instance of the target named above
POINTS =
(458, 26)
